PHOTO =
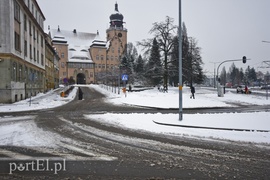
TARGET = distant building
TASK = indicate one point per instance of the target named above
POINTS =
(32, 61)
(22, 50)
(86, 57)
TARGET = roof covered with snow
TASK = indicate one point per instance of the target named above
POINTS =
(78, 43)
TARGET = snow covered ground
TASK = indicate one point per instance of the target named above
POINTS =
(10, 129)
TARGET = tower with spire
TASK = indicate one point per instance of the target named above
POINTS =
(116, 37)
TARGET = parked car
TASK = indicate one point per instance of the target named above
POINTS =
(240, 89)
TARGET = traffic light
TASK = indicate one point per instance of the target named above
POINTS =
(244, 59)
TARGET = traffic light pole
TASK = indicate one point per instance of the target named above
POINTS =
(244, 59)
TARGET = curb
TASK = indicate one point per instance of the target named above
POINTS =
(212, 128)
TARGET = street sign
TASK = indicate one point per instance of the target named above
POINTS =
(124, 77)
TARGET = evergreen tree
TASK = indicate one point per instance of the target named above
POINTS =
(131, 54)
(185, 55)
(126, 66)
(164, 34)
(174, 63)
(168, 46)
(192, 61)
(233, 73)
(223, 79)
(250, 75)
(139, 65)
(154, 66)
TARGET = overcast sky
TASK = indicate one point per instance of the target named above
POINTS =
(224, 29)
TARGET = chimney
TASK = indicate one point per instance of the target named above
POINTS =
(74, 31)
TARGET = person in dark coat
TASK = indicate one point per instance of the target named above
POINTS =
(80, 94)
(192, 89)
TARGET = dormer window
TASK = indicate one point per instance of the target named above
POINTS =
(71, 49)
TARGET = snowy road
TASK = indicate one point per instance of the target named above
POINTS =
(93, 149)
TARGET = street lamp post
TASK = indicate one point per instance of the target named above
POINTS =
(180, 87)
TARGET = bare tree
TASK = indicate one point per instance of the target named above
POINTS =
(164, 32)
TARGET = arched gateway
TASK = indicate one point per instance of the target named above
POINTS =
(81, 78)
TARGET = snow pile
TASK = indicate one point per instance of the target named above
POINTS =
(47, 100)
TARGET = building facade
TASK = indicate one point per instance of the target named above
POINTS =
(51, 66)
(32, 61)
(85, 57)
(22, 50)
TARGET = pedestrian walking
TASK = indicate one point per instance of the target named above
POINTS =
(192, 89)
(80, 94)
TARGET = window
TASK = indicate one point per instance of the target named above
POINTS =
(101, 57)
(26, 73)
(25, 22)
(99, 66)
(91, 74)
(116, 58)
(17, 41)
(14, 72)
(119, 50)
(112, 49)
(112, 58)
(37, 56)
(20, 72)
(25, 48)
(30, 50)
(34, 31)
(41, 38)
(103, 66)
(97, 57)
(42, 59)
(62, 64)
(16, 11)
(62, 55)
(37, 37)
(30, 28)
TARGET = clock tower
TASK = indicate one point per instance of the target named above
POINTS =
(116, 39)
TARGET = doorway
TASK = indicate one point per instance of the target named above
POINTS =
(81, 78)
